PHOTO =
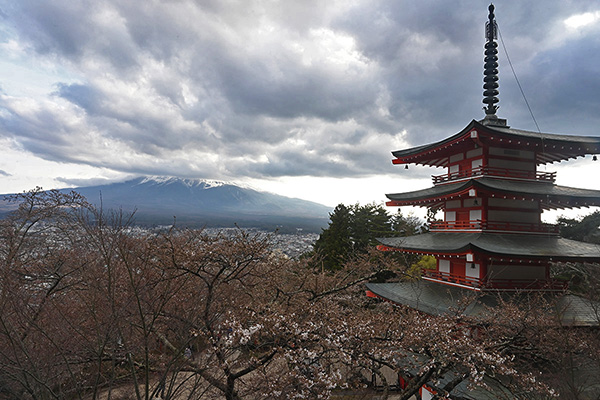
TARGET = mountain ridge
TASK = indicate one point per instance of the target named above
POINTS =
(158, 200)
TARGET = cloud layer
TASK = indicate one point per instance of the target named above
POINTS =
(265, 89)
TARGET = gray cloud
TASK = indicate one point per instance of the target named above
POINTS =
(217, 90)
(70, 182)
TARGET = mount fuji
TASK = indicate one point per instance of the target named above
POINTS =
(203, 203)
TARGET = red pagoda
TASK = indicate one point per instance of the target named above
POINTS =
(491, 238)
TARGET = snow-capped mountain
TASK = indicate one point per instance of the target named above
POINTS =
(167, 180)
(197, 203)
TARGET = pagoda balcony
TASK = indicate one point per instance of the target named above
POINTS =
(481, 225)
(536, 176)
(493, 284)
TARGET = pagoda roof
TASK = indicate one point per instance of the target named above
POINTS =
(552, 196)
(437, 299)
(549, 147)
(496, 244)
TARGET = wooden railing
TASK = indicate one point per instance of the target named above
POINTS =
(497, 172)
(452, 278)
(493, 226)
(496, 284)
(453, 225)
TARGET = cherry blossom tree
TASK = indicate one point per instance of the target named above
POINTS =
(90, 308)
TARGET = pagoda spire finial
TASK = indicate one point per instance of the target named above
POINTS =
(490, 70)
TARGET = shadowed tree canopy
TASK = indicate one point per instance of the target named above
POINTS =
(585, 229)
(583, 278)
(354, 229)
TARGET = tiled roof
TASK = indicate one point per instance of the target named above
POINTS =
(553, 196)
(509, 244)
(552, 147)
(437, 299)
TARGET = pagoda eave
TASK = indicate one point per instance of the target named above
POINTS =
(545, 203)
(505, 246)
(479, 255)
(427, 296)
(549, 195)
(549, 148)
(423, 252)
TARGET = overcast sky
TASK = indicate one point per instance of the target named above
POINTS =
(304, 98)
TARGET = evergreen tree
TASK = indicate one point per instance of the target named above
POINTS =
(406, 226)
(586, 229)
(367, 224)
(353, 230)
(335, 244)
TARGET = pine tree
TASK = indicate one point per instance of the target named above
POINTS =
(368, 223)
(353, 230)
(586, 229)
(335, 244)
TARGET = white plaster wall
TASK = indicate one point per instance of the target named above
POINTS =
(474, 215)
(476, 163)
(450, 216)
(444, 266)
(473, 270)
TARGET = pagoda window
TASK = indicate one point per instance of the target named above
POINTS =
(444, 266)
(473, 270)
(450, 216)
(453, 169)
(475, 215)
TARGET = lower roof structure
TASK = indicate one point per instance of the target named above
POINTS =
(435, 299)
(552, 196)
(516, 245)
